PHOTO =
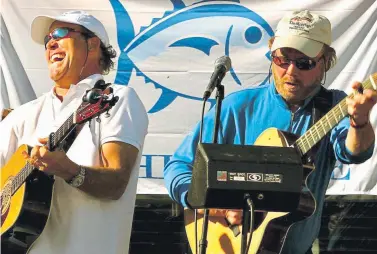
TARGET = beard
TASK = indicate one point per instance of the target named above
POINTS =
(293, 90)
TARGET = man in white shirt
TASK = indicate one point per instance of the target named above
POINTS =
(95, 181)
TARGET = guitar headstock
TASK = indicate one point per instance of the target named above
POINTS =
(95, 102)
(371, 82)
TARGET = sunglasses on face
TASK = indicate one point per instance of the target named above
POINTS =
(303, 63)
(60, 33)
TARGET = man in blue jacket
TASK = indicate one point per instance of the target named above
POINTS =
(301, 56)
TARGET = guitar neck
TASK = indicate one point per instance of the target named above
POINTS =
(55, 139)
(61, 134)
(330, 120)
(95, 102)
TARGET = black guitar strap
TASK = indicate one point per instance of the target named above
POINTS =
(321, 104)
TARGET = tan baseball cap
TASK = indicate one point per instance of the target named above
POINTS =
(304, 31)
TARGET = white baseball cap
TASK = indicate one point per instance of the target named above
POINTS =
(41, 25)
(304, 31)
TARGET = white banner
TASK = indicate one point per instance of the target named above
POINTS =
(166, 51)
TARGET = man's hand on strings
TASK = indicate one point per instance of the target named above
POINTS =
(53, 163)
(234, 217)
(361, 104)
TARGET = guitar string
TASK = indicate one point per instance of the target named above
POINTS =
(306, 144)
(20, 178)
(62, 131)
(308, 140)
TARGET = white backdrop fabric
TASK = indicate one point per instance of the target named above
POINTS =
(166, 51)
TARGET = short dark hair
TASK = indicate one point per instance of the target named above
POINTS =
(107, 52)
(328, 52)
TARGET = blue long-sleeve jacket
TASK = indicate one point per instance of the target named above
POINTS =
(244, 116)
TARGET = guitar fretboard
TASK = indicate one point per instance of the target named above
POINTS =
(21, 176)
(62, 132)
(56, 138)
(330, 120)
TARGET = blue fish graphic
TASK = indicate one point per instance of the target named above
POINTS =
(177, 50)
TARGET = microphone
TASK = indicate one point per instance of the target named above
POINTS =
(222, 65)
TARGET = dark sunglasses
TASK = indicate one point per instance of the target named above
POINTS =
(60, 33)
(303, 63)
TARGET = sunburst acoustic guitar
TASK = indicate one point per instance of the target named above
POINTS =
(26, 192)
(269, 234)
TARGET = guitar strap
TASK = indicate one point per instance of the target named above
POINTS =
(321, 104)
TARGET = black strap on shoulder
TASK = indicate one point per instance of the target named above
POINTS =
(321, 104)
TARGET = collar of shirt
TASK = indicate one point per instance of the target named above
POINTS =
(74, 89)
(62, 109)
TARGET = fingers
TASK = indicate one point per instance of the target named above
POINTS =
(370, 96)
(357, 86)
(363, 95)
(35, 152)
(214, 212)
(40, 165)
(43, 141)
(37, 163)
(36, 157)
(360, 105)
(234, 217)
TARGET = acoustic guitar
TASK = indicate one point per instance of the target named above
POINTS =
(26, 192)
(270, 232)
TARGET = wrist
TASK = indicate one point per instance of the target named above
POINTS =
(78, 179)
(358, 125)
(74, 170)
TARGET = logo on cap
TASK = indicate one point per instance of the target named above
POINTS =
(301, 23)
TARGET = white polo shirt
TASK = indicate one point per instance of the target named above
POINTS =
(80, 223)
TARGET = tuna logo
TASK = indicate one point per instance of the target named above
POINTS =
(184, 44)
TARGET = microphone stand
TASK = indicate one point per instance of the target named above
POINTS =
(247, 223)
(219, 98)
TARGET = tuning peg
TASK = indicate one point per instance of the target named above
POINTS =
(107, 114)
(91, 96)
(99, 84)
(114, 100)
